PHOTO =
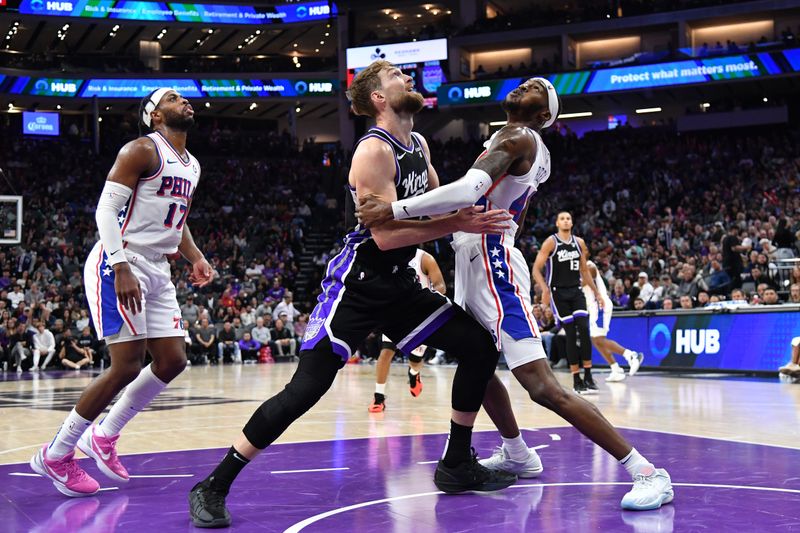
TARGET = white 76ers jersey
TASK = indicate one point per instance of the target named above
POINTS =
(512, 192)
(157, 210)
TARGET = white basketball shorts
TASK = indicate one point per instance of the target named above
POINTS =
(160, 315)
(493, 284)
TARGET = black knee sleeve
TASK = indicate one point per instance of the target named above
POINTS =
(414, 358)
(582, 330)
(572, 343)
(314, 376)
(475, 368)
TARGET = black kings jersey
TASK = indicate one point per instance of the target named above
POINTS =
(411, 179)
(562, 269)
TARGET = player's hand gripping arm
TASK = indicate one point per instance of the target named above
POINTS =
(538, 266)
(372, 171)
(135, 159)
(202, 272)
(588, 279)
(510, 144)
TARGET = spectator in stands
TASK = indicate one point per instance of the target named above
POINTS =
(794, 293)
(88, 343)
(688, 284)
(686, 302)
(228, 345)
(44, 344)
(19, 345)
(669, 291)
(667, 304)
(16, 296)
(619, 297)
(276, 292)
(639, 304)
(206, 338)
(283, 340)
(771, 297)
(190, 311)
(249, 348)
(286, 306)
(703, 299)
(261, 332)
(72, 355)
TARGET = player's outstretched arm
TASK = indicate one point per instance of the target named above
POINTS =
(135, 159)
(510, 144)
(538, 267)
(372, 173)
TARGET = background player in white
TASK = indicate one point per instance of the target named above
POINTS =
(599, 322)
(493, 283)
(141, 217)
(430, 277)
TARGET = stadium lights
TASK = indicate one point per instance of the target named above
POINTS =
(579, 114)
(498, 123)
(208, 105)
(766, 99)
(253, 106)
(644, 110)
(58, 106)
(705, 105)
(297, 109)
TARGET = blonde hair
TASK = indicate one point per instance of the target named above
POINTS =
(367, 81)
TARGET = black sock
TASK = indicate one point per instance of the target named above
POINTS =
(576, 378)
(379, 398)
(458, 445)
(587, 372)
(222, 477)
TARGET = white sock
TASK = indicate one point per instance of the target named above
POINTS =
(36, 356)
(634, 463)
(516, 447)
(629, 354)
(139, 393)
(412, 371)
(68, 434)
(615, 367)
(380, 388)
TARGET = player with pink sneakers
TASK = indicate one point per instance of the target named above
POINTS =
(141, 219)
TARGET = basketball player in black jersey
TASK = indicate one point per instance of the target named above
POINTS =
(563, 258)
(369, 286)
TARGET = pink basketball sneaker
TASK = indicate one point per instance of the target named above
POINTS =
(104, 452)
(65, 473)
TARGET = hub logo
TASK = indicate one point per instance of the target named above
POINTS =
(43, 5)
(63, 87)
(316, 11)
(482, 91)
(301, 87)
(687, 341)
(455, 94)
(697, 341)
(320, 87)
(301, 12)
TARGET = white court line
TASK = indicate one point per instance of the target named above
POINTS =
(427, 462)
(299, 526)
(555, 436)
(23, 474)
(107, 488)
(161, 475)
(712, 438)
(309, 470)
(539, 447)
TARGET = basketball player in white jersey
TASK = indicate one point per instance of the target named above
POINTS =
(599, 322)
(430, 277)
(493, 284)
(141, 217)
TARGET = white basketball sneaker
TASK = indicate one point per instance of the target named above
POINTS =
(531, 467)
(635, 363)
(651, 489)
(615, 375)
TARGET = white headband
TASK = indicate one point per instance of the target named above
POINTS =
(152, 103)
(552, 101)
